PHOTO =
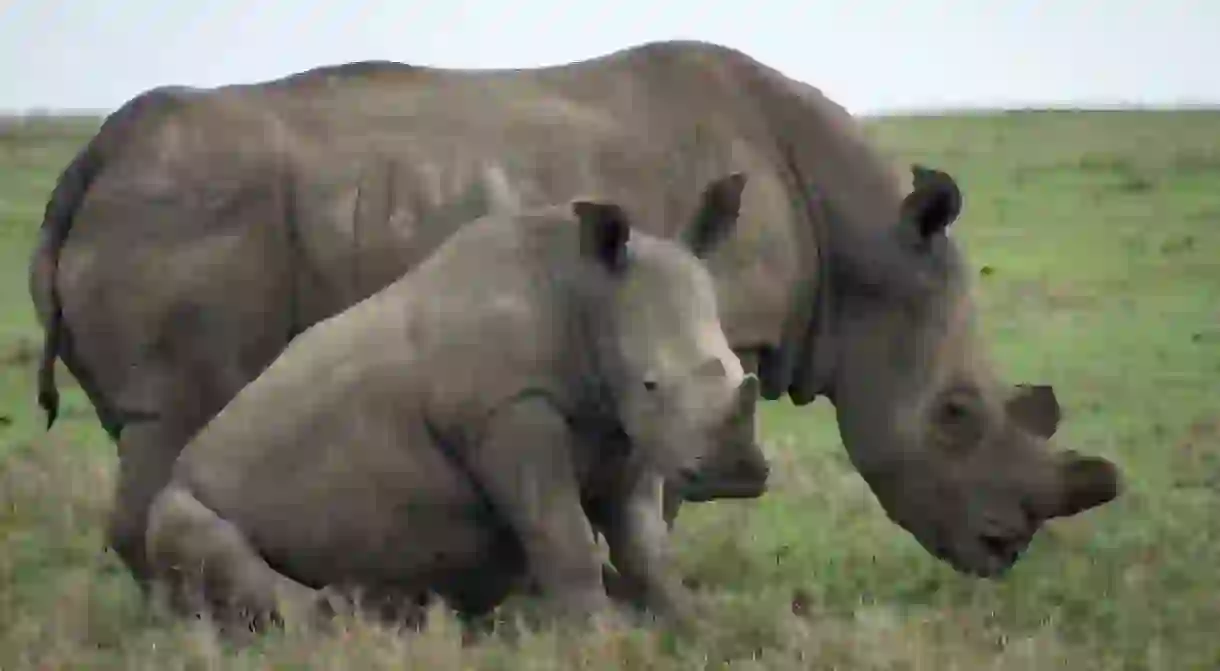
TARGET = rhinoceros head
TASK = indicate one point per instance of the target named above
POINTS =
(681, 392)
(955, 457)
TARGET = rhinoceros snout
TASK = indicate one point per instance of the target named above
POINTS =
(1002, 547)
(752, 466)
(744, 477)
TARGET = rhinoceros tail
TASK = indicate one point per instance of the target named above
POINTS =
(58, 217)
(57, 221)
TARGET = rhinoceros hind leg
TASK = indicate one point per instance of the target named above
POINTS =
(209, 566)
(147, 451)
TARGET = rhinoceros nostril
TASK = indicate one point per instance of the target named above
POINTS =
(998, 546)
(1028, 507)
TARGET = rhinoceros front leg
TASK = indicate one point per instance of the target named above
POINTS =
(208, 565)
(637, 534)
(525, 466)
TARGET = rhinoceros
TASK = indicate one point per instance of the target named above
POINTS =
(447, 433)
(200, 230)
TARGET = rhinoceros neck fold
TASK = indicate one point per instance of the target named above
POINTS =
(810, 336)
(844, 190)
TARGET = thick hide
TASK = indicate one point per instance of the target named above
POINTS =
(200, 230)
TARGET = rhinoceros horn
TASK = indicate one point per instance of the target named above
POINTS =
(1086, 482)
(747, 396)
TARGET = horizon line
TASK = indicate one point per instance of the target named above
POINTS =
(981, 109)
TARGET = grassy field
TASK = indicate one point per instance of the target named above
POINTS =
(1097, 238)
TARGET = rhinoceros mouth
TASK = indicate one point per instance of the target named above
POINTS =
(985, 556)
(700, 488)
(991, 553)
(738, 490)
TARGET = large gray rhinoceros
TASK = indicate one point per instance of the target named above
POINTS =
(200, 230)
(447, 434)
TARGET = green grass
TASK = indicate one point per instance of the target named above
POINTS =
(1100, 235)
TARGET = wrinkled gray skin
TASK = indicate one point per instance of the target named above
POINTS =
(446, 434)
(200, 230)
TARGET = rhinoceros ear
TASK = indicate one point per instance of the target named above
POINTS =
(1035, 408)
(719, 207)
(604, 230)
(933, 204)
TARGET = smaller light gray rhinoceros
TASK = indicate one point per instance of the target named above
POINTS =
(455, 433)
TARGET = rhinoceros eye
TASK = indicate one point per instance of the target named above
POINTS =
(955, 410)
(959, 417)
(650, 384)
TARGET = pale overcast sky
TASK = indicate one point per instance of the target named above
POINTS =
(870, 55)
